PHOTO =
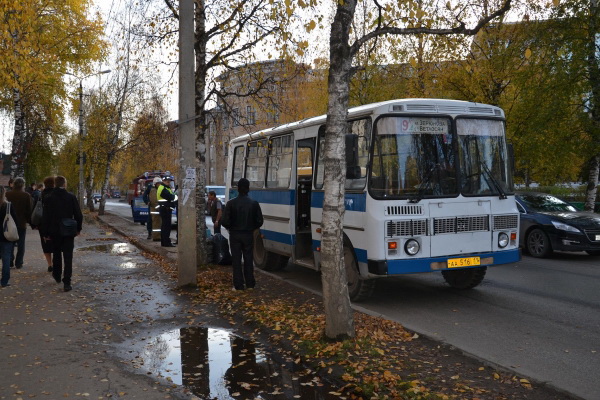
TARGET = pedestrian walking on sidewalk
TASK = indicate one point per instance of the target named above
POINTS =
(23, 205)
(166, 201)
(45, 238)
(241, 218)
(61, 211)
(6, 247)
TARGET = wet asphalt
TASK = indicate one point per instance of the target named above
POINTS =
(126, 331)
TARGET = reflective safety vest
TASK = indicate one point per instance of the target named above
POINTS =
(162, 201)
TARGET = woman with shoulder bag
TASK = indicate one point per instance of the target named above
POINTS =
(6, 246)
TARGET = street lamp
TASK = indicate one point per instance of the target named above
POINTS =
(81, 183)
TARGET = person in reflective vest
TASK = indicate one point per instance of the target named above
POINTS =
(166, 199)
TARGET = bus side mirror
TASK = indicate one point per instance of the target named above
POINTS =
(352, 167)
(511, 156)
(353, 172)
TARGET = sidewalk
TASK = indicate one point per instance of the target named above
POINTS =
(61, 345)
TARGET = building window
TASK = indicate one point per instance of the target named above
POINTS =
(225, 121)
(236, 117)
(251, 115)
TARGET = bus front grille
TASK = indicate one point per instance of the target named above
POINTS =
(416, 227)
(411, 209)
(474, 223)
(506, 222)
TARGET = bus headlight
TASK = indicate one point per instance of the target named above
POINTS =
(412, 247)
(503, 240)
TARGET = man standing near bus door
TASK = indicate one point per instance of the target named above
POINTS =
(166, 199)
(241, 218)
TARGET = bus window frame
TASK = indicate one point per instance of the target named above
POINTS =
(270, 155)
(265, 164)
(319, 185)
(243, 155)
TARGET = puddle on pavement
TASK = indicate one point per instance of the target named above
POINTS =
(216, 364)
(114, 248)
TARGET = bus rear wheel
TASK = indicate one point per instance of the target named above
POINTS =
(266, 260)
(358, 289)
(464, 279)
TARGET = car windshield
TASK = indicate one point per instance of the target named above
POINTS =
(545, 202)
(219, 191)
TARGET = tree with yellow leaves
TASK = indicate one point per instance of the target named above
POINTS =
(39, 41)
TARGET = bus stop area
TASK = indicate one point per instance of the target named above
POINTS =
(126, 331)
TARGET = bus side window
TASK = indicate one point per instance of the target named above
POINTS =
(357, 158)
(238, 165)
(256, 163)
(280, 162)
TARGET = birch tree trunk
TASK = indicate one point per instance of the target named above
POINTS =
(201, 71)
(19, 139)
(90, 187)
(592, 186)
(594, 76)
(338, 310)
(104, 192)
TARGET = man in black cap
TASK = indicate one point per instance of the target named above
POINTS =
(241, 218)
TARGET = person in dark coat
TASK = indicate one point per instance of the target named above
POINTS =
(23, 205)
(241, 218)
(6, 247)
(45, 237)
(58, 206)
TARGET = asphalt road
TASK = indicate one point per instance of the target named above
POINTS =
(539, 318)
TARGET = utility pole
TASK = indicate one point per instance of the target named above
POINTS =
(188, 173)
(80, 186)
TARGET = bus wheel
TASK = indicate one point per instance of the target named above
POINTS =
(466, 278)
(266, 260)
(358, 289)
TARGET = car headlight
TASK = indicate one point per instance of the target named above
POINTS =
(412, 247)
(564, 227)
(503, 240)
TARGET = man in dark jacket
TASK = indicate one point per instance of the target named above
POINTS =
(241, 218)
(21, 201)
(58, 206)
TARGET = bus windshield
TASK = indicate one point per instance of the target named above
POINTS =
(413, 157)
(483, 157)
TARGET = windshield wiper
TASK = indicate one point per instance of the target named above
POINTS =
(494, 181)
(422, 186)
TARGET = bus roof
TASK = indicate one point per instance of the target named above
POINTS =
(406, 106)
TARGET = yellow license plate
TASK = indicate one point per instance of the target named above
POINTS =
(463, 262)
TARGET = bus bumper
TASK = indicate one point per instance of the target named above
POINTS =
(419, 265)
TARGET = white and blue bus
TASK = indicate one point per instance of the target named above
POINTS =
(428, 188)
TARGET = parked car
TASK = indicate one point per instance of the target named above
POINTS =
(219, 190)
(549, 223)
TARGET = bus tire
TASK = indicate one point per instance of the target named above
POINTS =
(264, 259)
(464, 279)
(358, 289)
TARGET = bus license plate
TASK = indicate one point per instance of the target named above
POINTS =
(463, 262)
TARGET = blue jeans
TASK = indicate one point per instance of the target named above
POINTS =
(20, 245)
(6, 249)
